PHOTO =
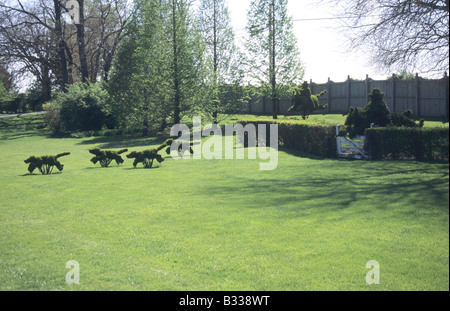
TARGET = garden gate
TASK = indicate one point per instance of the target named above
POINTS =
(347, 148)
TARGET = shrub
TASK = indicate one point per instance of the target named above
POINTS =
(82, 108)
(146, 157)
(315, 139)
(378, 113)
(403, 142)
(105, 157)
(304, 101)
(45, 163)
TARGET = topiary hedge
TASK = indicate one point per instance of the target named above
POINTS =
(378, 113)
(45, 163)
(304, 102)
(315, 139)
(147, 157)
(404, 142)
(105, 157)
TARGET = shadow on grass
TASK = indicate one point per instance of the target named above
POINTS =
(12, 134)
(370, 186)
(114, 142)
(39, 174)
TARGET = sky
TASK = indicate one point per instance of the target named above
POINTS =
(321, 42)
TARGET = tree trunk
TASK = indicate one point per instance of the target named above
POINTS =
(61, 46)
(177, 104)
(81, 44)
(273, 80)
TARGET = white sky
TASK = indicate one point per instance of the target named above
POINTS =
(321, 45)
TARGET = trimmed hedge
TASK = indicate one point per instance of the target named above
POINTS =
(403, 142)
(315, 139)
(45, 163)
(381, 143)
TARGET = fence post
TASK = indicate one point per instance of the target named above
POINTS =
(394, 92)
(446, 94)
(329, 94)
(264, 105)
(367, 89)
(349, 91)
(418, 95)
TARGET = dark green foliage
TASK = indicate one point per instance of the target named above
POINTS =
(404, 142)
(146, 157)
(105, 157)
(404, 119)
(180, 147)
(304, 101)
(376, 112)
(315, 139)
(45, 163)
(82, 108)
(10, 105)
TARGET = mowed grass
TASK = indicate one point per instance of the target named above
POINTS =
(310, 224)
(333, 119)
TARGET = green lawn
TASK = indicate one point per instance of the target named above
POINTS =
(332, 119)
(311, 224)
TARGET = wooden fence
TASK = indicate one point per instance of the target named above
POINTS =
(424, 97)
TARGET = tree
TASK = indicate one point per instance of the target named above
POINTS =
(221, 67)
(26, 40)
(36, 40)
(186, 51)
(399, 34)
(272, 49)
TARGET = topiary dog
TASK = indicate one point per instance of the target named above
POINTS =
(105, 157)
(45, 163)
(304, 101)
(146, 157)
(179, 150)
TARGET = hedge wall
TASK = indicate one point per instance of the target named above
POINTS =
(315, 139)
(381, 143)
(401, 142)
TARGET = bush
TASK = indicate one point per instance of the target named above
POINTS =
(146, 157)
(45, 163)
(105, 157)
(403, 142)
(378, 113)
(315, 139)
(304, 101)
(82, 108)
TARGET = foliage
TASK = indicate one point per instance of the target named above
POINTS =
(83, 108)
(304, 101)
(152, 84)
(45, 163)
(105, 157)
(146, 157)
(404, 142)
(273, 58)
(221, 73)
(315, 139)
(376, 112)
